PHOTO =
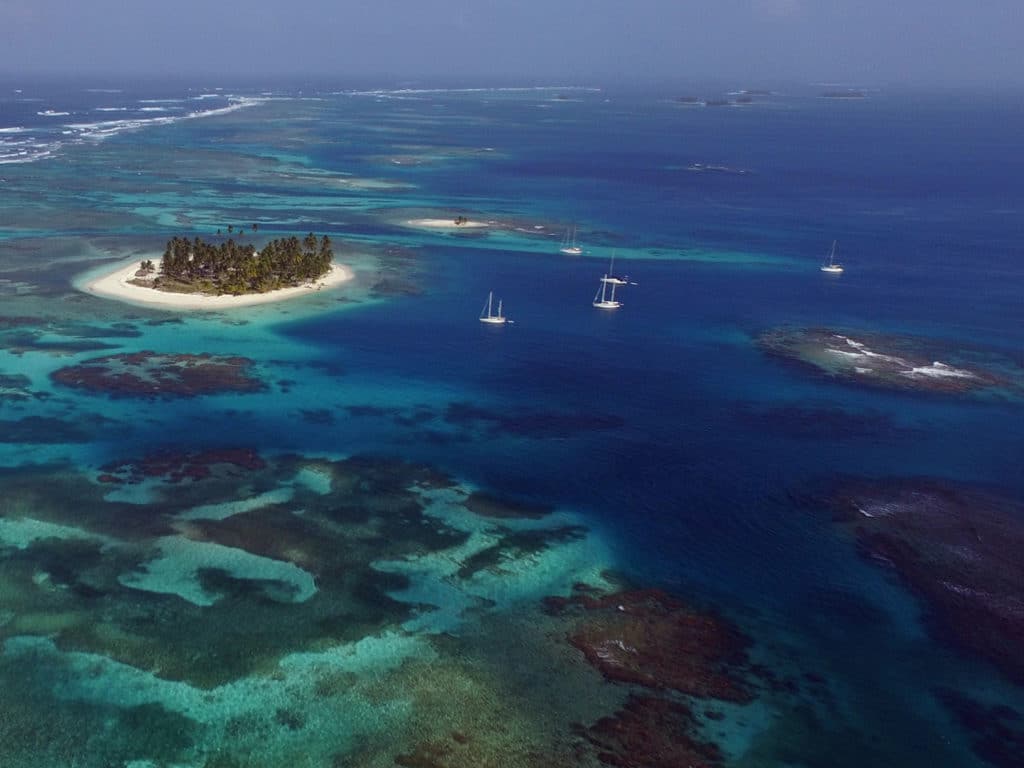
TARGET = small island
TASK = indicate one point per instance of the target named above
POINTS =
(194, 266)
(193, 274)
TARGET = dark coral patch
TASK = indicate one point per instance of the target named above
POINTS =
(956, 547)
(46, 430)
(387, 286)
(381, 475)
(651, 732)
(426, 755)
(321, 416)
(518, 544)
(996, 732)
(486, 505)
(468, 418)
(816, 423)
(650, 638)
(15, 387)
(369, 410)
(19, 334)
(175, 466)
(151, 374)
(532, 424)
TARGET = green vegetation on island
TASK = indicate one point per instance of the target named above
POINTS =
(194, 266)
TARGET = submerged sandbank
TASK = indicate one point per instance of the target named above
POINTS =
(118, 285)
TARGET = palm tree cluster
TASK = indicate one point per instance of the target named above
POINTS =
(233, 268)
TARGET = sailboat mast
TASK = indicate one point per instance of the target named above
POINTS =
(490, 297)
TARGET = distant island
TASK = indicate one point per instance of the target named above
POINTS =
(704, 168)
(194, 266)
(744, 97)
(848, 94)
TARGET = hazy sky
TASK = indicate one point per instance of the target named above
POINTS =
(856, 41)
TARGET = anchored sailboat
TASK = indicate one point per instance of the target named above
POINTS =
(611, 278)
(488, 316)
(604, 300)
(569, 246)
(832, 267)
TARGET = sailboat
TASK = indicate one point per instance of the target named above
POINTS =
(604, 300)
(611, 278)
(832, 267)
(569, 246)
(488, 316)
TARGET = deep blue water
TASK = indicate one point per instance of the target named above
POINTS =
(661, 423)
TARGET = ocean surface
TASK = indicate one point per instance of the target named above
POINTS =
(330, 599)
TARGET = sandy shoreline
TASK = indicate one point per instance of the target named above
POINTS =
(446, 224)
(115, 285)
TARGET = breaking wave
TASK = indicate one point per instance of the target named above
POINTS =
(31, 143)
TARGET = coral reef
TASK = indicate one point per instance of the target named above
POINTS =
(486, 505)
(21, 334)
(651, 732)
(997, 732)
(201, 585)
(958, 548)
(151, 374)
(175, 466)
(902, 363)
(650, 638)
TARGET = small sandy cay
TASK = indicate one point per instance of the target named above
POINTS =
(130, 284)
(459, 222)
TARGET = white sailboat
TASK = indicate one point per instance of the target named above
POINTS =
(569, 246)
(604, 300)
(488, 316)
(611, 278)
(832, 267)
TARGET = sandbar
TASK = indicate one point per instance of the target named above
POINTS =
(116, 285)
(446, 224)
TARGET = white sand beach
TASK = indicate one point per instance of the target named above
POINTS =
(446, 224)
(116, 285)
